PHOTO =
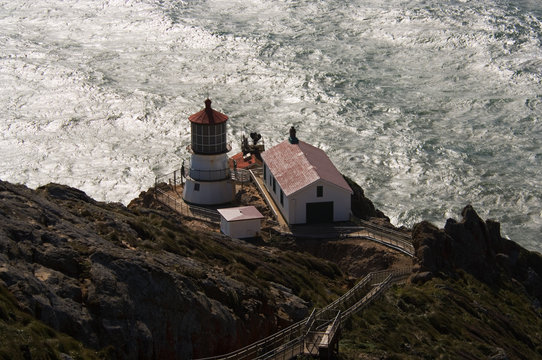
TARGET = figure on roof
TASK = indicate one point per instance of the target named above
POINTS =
(293, 139)
(255, 137)
(245, 148)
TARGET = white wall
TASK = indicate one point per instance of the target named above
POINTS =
(209, 162)
(284, 208)
(224, 226)
(241, 229)
(331, 192)
(210, 192)
(209, 167)
(294, 208)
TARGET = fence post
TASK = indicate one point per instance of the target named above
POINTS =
(182, 173)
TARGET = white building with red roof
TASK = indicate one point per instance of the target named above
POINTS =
(304, 183)
(240, 222)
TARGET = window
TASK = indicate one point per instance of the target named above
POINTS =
(319, 191)
(264, 172)
(274, 186)
(196, 187)
(281, 197)
(209, 139)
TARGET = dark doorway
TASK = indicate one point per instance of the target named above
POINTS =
(320, 212)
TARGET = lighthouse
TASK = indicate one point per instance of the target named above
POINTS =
(208, 181)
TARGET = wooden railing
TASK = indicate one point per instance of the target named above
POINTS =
(182, 208)
(325, 346)
(387, 237)
(264, 347)
(241, 175)
(263, 193)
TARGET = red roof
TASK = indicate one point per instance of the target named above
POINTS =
(240, 213)
(297, 165)
(251, 161)
(208, 115)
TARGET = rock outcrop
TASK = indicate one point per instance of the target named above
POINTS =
(105, 275)
(477, 247)
(362, 207)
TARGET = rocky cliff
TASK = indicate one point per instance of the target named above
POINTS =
(477, 247)
(362, 207)
(473, 295)
(142, 284)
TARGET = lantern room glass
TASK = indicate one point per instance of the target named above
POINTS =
(209, 138)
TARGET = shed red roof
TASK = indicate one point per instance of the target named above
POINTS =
(208, 115)
(297, 165)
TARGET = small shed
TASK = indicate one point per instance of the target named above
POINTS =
(240, 222)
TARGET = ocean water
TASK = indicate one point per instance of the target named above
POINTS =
(429, 105)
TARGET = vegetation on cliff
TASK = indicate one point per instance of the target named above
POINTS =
(141, 282)
(23, 337)
(451, 318)
(473, 295)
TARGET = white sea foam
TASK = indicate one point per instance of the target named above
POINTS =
(428, 105)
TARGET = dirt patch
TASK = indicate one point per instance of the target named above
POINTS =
(356, 257)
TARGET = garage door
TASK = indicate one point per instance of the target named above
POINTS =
(320, 212)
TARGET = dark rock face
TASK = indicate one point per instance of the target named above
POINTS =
(477, 247)
(433, 249)
(144, 303)
(362, 207)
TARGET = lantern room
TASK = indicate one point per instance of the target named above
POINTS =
(208, 128)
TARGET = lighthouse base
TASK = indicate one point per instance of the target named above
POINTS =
(209, 192)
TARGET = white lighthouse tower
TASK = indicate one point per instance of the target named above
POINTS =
(209, 180)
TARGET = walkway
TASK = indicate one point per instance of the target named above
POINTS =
(366, 230)
(268, 199)
(320, 332)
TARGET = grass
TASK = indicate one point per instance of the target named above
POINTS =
(440, 319)
(313, 279)
(23, 337)
(446, 319)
